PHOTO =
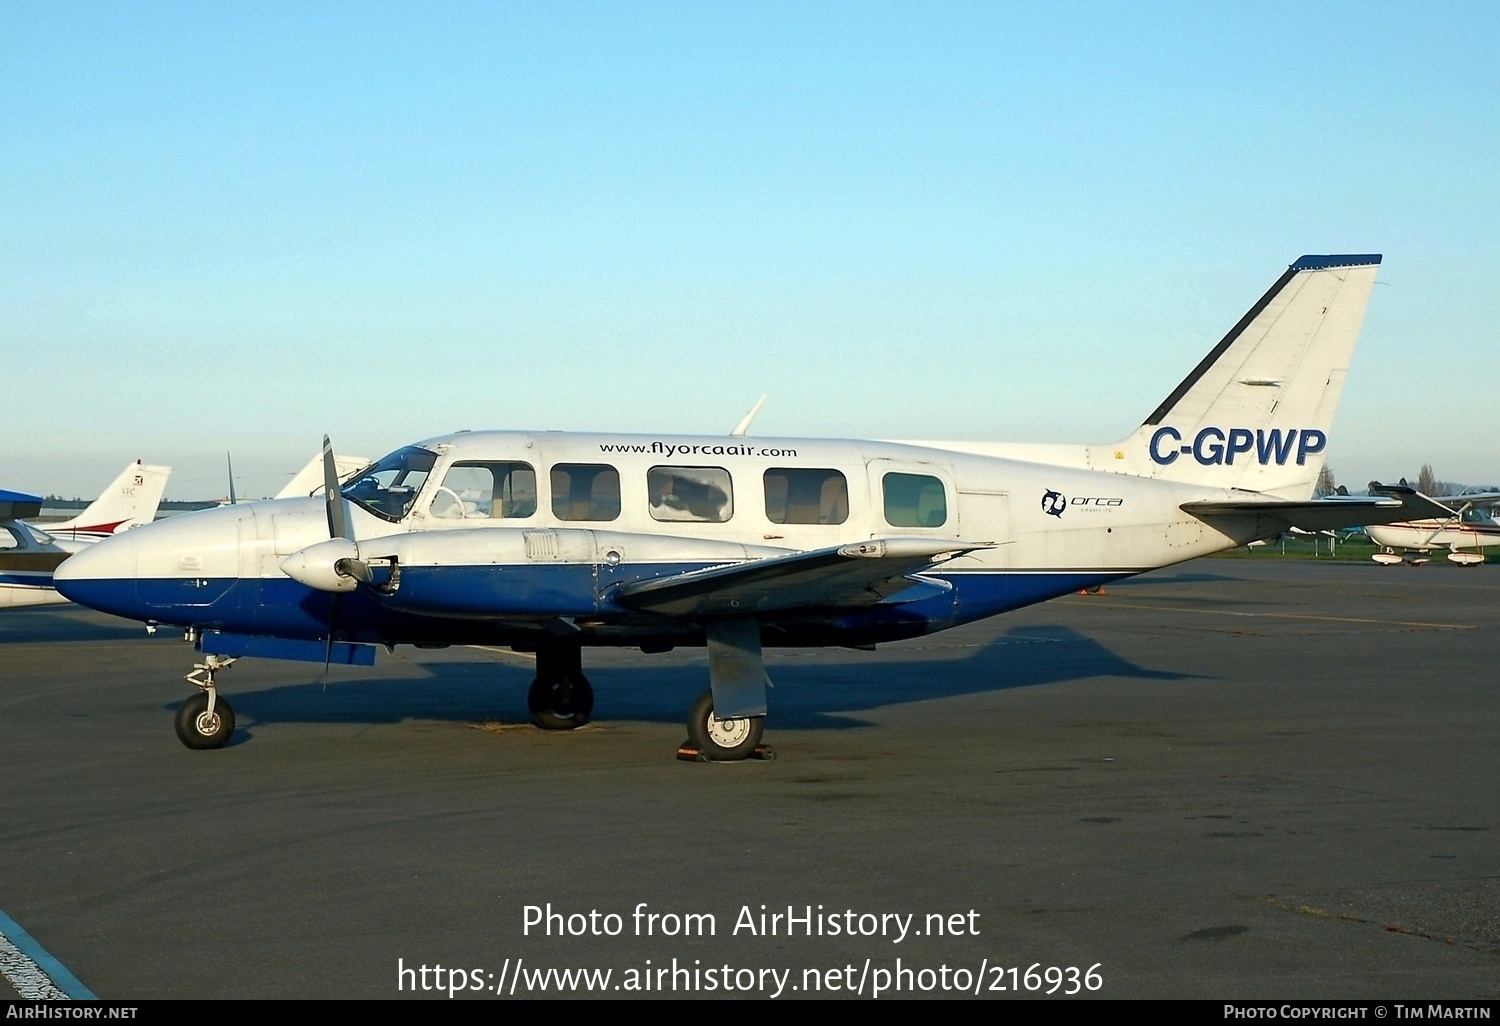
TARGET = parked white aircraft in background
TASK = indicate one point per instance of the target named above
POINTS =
(551, 542)
(130, 500)
(1458, 525)
(29, 553)
(309, 480)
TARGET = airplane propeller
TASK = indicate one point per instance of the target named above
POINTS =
(349, 570)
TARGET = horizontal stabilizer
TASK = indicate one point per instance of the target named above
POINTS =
(1394, 505)
(853, 576)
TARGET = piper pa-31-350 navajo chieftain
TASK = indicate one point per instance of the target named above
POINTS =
(553, 542)
(30, 554)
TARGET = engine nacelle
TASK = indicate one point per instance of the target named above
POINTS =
(317, 565)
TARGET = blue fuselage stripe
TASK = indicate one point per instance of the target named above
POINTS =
(461, 605)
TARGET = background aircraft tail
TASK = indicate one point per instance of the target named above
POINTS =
(309, 480)
(1256, 412)
(130, 500)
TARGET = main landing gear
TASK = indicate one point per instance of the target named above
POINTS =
(206, 720)
(726, 722)
(560, 697)
(714, 740)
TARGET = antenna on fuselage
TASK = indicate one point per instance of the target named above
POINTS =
(744, 425)
(229, 462)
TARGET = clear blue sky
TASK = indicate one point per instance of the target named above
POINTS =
(236, 227)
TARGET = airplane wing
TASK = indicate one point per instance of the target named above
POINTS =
(16, 505)
(1453, 502)
(1395, 504)
(853, 576)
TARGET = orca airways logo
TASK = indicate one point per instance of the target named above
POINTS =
(1053, 504)
(1213, 446)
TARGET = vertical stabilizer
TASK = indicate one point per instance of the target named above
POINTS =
(309, 480)
(130, 500)
(1257, 411)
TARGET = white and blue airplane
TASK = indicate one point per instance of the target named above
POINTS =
(30, 553)
(553, 542)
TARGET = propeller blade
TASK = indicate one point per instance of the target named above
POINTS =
(338, 522)
(333, 617)
(230, 462)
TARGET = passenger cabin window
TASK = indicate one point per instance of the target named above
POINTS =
(497, 491)
(914, 500)
(585, 491)
(389, 487)
(804, 496)
(702, 495)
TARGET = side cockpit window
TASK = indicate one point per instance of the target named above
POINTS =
(9, 539)
(806, 496)
(486, 491)
(701, 495)
(389, 487)
(585, 491)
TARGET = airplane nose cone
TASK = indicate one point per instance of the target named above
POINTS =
(101, 576)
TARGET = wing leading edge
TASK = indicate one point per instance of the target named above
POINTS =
(852, 576)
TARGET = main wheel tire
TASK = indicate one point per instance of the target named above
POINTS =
(722, 740)
(199, 730)
(562, 702)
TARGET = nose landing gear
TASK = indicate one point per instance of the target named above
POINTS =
(206, 720)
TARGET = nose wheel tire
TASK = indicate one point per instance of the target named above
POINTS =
(722, 740)
(561, 702)
(198, 728)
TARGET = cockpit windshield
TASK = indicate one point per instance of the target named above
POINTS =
(389, 486)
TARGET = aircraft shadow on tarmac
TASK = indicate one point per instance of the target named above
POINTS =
(812, 690)
(65, 623)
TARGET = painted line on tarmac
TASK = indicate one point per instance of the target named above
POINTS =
(1291, 616)
(35, 974)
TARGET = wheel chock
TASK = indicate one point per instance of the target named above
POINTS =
(687, 753)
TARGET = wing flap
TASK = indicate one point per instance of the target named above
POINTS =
(853, 576)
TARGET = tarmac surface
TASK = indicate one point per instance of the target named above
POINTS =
(1230, 779)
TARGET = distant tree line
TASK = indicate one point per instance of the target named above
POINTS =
(1428, 484)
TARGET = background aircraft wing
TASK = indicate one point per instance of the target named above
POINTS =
(1482, 499)
(15, 505)
(1395, 504)
(853, 576)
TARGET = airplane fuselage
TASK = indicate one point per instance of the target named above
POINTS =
(28, 558)
(1424, 535)
(583, 514)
